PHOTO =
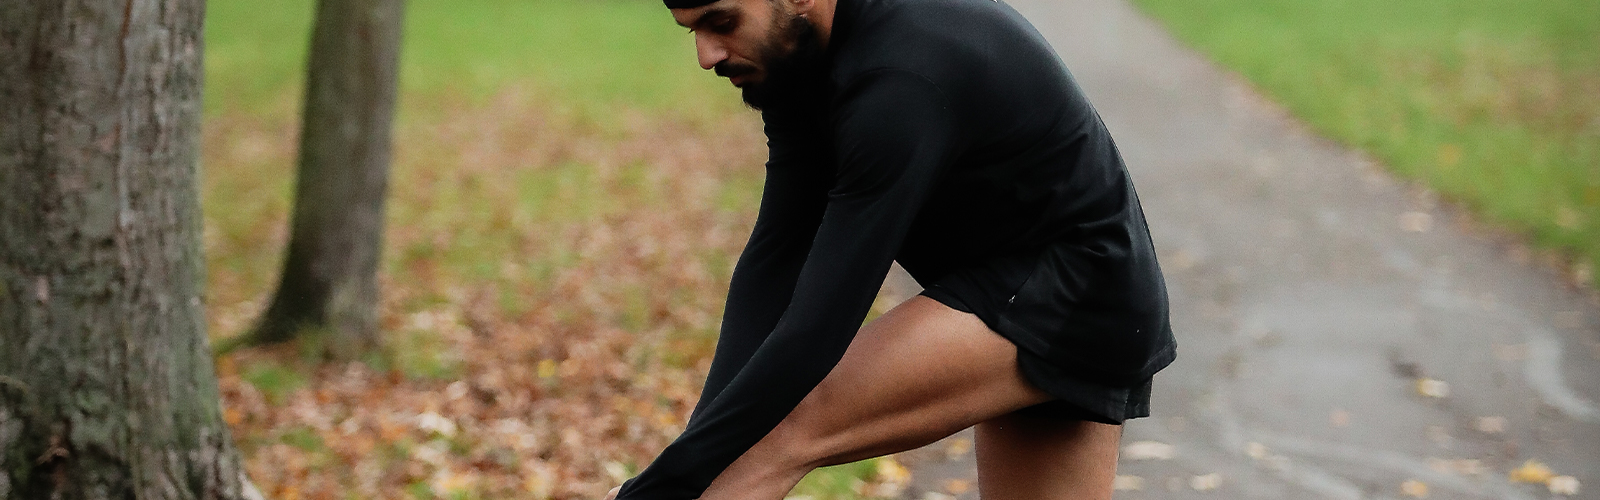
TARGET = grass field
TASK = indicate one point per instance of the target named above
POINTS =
(594, 56)
(1494, 103)
(568, 195)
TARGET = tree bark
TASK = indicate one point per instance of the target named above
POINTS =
(107, 389)
(329, 282)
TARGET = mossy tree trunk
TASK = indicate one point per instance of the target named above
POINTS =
(329, 284)
(107, 389)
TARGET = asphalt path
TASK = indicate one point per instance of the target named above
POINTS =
(1342, 334)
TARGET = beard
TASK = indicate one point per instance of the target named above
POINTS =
(794, 58)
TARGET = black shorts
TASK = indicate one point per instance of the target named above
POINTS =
(1076, 399)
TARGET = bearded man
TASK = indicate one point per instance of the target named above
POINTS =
(945, 135)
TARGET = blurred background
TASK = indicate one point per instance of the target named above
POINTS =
(569, 191)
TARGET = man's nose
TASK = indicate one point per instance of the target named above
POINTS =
(710, 51)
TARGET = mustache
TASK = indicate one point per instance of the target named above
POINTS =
(727, 69)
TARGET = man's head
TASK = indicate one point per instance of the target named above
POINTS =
(770, 49)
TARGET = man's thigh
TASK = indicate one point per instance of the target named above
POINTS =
(918, 373)
(1034, 457)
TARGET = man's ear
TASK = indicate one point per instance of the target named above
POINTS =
(801, 7)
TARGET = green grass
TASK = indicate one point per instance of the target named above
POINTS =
(303, 437)
(275, 381)
(585, 64)
(1495, 103)
(594, 55)
(835, 483)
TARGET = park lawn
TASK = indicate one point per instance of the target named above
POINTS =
(568, 195)
(1494, 103)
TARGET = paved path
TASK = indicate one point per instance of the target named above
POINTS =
(1311, 291)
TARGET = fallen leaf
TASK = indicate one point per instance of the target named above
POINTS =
(1206, 482)
(1437, 434)
(1276, 462)
(891, 480)
(1255, 450)
(349, 426)
(433, 452)
(1532, 471)
(1433, 388)
(1568, 218)
(538, 479)
(1182, 260)
(1339, 418)
(456, 390)
(537, 485)
(449, 483)
(390, 430)
(433, 422)
(1127, 483)
(891, 470)
(957, 486)
(1148, 450)
(226, 367)
(1465, 466)
(1491, 425)
(957, 448)
(1414, 488)
(1416, 222)
(1563, 485)
(616, 471)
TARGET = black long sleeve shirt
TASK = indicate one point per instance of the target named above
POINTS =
(952, 139)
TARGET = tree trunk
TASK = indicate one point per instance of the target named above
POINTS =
(107, 389)
(329, 283)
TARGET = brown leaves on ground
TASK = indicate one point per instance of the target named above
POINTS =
(551, 293)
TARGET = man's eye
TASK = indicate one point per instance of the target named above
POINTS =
(723, 27)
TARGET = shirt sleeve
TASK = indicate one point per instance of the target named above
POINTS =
(763, 281)
(894, 132)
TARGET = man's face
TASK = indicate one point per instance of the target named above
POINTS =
(752, 43)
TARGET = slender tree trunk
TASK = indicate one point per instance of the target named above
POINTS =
(329, 282)
(107, 389)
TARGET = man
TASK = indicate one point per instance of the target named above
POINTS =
(944, 134)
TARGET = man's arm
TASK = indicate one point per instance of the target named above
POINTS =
(763, 281)
(894, 134)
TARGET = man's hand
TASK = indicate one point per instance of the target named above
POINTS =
(613, 494)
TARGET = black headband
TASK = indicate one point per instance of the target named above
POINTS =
(686, 4)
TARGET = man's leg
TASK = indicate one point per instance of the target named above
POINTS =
(1028, 456)
(917, 374)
